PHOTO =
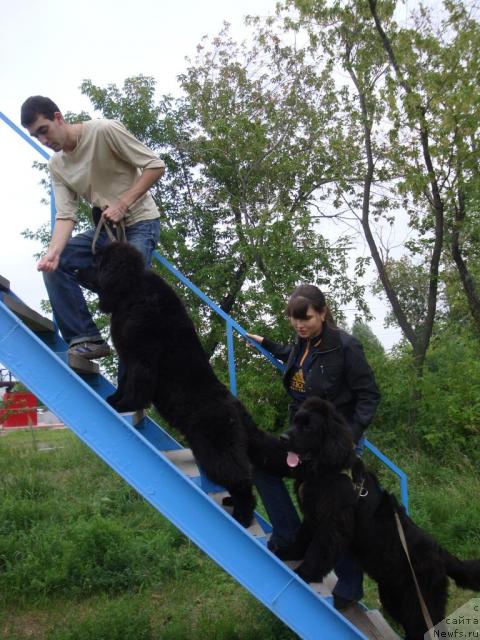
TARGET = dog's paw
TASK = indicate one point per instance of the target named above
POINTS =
(246, 520)
(305, 574)
(112, 400)
(120, 405)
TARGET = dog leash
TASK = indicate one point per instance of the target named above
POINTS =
(120, 233)
(423, 606)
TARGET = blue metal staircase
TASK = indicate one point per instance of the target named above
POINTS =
(141, 455)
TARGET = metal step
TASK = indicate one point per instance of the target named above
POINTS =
(183, 459)
(371, 623)
(374, 627)
(79, 364)
(40, 324)
(382, 625)
(31, 318)
(4, 284)
(134, 417)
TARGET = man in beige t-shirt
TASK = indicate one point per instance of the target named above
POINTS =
(103, 163)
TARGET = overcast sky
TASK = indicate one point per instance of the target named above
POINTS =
(48, 48)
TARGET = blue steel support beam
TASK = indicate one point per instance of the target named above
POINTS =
(53, 208)
(159, 482)
(393, 467)
(231, 358)
(23, 135)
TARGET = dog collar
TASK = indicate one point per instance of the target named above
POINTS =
(358, 486)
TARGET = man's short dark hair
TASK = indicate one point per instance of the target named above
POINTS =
(37, 106)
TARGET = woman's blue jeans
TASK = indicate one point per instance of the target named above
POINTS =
(286, 522)
(71, 313)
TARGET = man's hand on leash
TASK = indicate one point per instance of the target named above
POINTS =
(115, 212)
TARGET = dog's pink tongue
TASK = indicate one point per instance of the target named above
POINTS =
(292, 459)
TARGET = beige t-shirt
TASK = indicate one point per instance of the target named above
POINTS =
(105, 163)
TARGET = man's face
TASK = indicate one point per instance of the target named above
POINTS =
(50, 133)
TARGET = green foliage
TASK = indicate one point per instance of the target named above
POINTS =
(121, 619)
(445, 421)
(55, 541)
(449, 417)
(246, 146)
(369, 340)
(83, 556)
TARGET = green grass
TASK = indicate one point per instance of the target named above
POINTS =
(83, 557)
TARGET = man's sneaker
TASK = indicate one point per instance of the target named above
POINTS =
(90, 350)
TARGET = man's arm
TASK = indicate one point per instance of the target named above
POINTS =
(130, 150)
(147, 179)
(60, 236)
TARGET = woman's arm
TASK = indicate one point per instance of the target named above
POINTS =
(361, 381)
(280, 351)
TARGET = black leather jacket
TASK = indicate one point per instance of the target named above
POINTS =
(338, 372)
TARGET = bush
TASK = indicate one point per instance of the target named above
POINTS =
(449, 415)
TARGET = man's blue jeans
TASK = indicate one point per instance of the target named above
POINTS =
(63, 285)
(286, 522)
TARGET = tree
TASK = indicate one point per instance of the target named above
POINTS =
(362, 332)
(391, 82)
(441, 93)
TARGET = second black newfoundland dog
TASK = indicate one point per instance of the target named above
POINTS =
(344, 506)
(167, 366)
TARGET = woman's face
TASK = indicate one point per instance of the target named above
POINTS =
(311, 325)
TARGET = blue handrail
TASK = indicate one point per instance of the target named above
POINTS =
(23, 135)
(230, 322)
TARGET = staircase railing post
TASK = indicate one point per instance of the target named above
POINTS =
(231, 359)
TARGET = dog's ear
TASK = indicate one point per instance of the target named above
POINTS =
(337, 439)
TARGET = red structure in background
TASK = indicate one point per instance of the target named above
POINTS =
(6, 379)
(20, 409)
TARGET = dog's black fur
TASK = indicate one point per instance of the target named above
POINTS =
(167, 366)
(336, 519)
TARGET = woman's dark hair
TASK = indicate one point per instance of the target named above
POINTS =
(304, 296)
(37, 106)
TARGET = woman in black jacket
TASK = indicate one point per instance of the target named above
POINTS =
(329, 363)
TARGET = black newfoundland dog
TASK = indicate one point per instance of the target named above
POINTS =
(345, 507)
(167, 366)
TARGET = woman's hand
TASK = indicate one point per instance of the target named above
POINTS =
(255, 338)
